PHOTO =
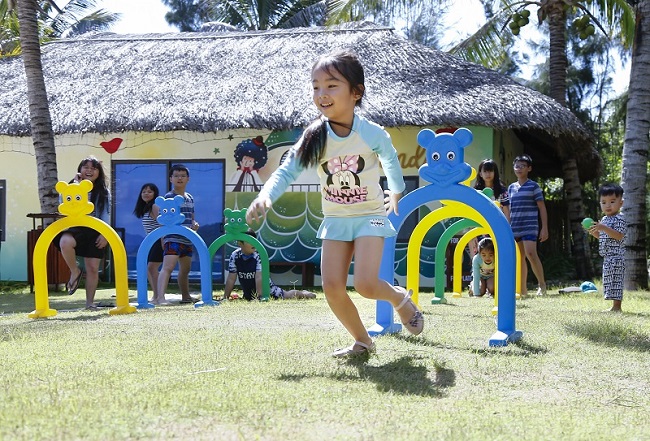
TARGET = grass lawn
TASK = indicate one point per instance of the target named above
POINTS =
(262, 371)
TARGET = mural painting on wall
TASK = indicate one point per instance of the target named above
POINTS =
(289, 230)
(250, 156)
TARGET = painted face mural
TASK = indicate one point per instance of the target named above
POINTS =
(250, 156)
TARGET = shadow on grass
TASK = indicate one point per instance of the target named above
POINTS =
(612, 334)
(401, 376)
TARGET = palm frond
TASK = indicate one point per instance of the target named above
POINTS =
(486, 46)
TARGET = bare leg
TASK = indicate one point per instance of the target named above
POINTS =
(367, 259)
(490, 285)
(169, 263)
(152, 275)
(92, 279)
(616, 306)
(184, 264)
(335, 263)
(524, 268)
(68, 244)
(535, 262)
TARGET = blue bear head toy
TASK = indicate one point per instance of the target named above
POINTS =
(445, 156)
(170, 210)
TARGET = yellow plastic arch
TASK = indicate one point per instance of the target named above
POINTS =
(40, 264)
(452, 209)
(458, 256)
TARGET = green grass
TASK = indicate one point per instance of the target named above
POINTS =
(262, 371)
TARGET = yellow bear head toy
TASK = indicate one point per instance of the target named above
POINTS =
(75, 198)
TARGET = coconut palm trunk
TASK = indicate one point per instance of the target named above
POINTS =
(572, 189)
(635, 153)
(39, 111)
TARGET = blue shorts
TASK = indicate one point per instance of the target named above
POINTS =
(527, 238)
(177, 249)
(346, 229)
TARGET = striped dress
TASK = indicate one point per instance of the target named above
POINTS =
(523, 208)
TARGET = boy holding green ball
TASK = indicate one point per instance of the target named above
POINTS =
(610, 232)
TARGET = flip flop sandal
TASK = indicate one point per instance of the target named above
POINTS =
(415, 324)
(75, 284)
(358, 349)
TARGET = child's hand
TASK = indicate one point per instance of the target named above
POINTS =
(595, 230)
(390, 201)
(543, 234)
(101, 242)
(257, 209)
(195, 225)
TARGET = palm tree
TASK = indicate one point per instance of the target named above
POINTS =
(485, 46)
(28, 13)
(635, 153)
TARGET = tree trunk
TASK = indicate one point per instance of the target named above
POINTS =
(572, 189)
(635, 153)
(39, 111)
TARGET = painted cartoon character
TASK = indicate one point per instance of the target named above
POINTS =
(75, 198)
(170, 210)
(445, 156)
(235, 221)
(342, 173)
(250, 155)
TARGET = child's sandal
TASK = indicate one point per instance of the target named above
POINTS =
(359, 348)
(415, 324)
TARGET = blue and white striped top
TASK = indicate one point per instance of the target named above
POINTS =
(523, 208)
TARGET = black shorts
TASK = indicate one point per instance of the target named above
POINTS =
(156, 252)
(85, 238)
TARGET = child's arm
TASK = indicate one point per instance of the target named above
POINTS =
(598, 227)
(543, 233)
(476, 274)
(230, 284)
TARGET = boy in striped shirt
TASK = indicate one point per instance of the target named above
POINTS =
(526, 203)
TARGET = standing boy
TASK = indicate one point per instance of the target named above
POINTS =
(246, 265)
(610, 232)
(526, 202)
(176, 248)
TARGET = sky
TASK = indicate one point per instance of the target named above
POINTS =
(463, 19)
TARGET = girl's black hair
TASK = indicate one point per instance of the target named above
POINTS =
(99, 193)
(347, 64)
(489, 165)
(142, 207)
(486, 243)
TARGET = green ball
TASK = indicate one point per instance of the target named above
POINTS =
(587, 223)
(487, 191)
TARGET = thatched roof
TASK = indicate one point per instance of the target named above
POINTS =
(228, 80)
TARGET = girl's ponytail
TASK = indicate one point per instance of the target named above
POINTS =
(313, 143)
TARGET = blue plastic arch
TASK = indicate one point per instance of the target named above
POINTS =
(204, 262)
(504, 251)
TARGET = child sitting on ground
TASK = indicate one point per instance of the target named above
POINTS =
(483, 269)
(245, 264)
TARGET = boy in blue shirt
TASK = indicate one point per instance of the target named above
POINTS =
(526, 202)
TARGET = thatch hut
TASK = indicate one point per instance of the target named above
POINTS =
(194, 95)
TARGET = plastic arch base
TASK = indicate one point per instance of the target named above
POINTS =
(438, 300)
(378, 329)
(456, 295)
(120, 310)
(499, 338)
(42, 313)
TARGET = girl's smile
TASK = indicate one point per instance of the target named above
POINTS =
(333, 96)
(147, 194)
